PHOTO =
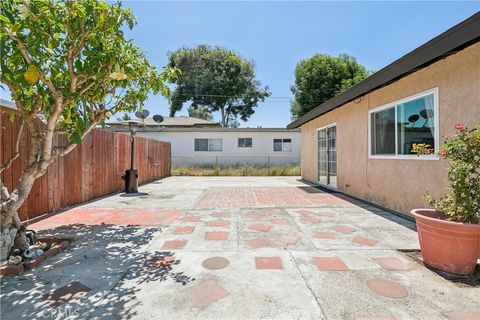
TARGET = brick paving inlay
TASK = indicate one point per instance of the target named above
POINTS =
(215, 263)
(324, 235)
(310, 220)
(330, 264)
(326, 214)
(206, 293)
(289, 240)
(174, 244)
(183, 230)
(393, 264)
(260, 227)
(254, 197)
(268, 263)
(364, 241)
(258, 243)
(280, 222)
(216, 236)
(219, 223)
(343, 229)
(387, 288)
(190, 219)
(118, 216)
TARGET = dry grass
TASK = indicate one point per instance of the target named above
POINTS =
(236, 171)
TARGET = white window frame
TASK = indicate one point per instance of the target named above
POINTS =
(283, 150)
(328, 186)
(221, 140)
(238, 141)
(393, 105)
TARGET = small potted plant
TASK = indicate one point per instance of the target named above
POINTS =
(449, 234)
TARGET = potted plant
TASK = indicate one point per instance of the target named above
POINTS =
(449, 234)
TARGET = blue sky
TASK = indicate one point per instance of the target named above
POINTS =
(276, 35)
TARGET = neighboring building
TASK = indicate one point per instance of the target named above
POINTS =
(170, 122)
(360, 141)
(228, 146)
(7, 104)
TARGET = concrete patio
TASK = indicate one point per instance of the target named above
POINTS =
(233, 248)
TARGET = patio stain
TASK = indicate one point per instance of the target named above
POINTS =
(160, 265)
(73, 290)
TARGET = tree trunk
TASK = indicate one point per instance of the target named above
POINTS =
(222, 111)
(10, 225)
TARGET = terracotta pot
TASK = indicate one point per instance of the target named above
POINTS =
(448, 246)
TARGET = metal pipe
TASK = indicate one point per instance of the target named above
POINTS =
(132, 152)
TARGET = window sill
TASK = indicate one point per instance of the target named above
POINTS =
(404, 157)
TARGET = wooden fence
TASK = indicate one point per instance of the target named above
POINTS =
(93, 169)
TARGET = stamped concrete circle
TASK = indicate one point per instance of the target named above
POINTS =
(215, 263)
(387, 288)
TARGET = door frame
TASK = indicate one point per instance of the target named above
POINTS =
(334, 124)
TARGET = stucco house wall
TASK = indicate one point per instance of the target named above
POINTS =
(398, 184)
(261, 153)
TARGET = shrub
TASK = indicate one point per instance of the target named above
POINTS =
(462, 202)
(217, 170)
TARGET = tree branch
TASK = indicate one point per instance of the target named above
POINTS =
(63, 151)
(16, 152)
(16, 98)
(26, 56)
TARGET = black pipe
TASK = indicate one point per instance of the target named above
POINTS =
(132, 152)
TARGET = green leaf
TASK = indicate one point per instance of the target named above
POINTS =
(4, 19)
(12, 116)
(15, 27)
(75, 137)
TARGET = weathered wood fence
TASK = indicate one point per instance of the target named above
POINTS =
(93, 169)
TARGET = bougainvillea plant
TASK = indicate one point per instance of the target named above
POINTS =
(462, 202)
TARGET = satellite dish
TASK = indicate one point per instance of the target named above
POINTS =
(157, 118)
(142, 114)
(413, 119)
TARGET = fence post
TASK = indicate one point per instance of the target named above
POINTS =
(268, 165)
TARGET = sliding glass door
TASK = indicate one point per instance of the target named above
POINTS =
(327, 156)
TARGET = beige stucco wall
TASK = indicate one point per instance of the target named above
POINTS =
(394, 183)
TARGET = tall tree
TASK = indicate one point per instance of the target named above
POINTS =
(125, 117)
(320, 78)
(200, 113)
(217, 79)
(69, 62)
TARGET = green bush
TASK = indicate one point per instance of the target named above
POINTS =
(462, 202)
(217, 170)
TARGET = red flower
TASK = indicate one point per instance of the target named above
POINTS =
(458, 126)
(443, 152)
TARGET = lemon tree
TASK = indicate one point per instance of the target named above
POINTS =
(70, 62)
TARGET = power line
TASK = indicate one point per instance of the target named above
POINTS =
(227, 96)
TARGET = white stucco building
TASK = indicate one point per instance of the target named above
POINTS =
(202, 146)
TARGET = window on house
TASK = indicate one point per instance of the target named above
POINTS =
(284, 145)
(394, 129)
(244, 142)
(208, 144)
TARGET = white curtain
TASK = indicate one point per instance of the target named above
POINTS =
(430, 114)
